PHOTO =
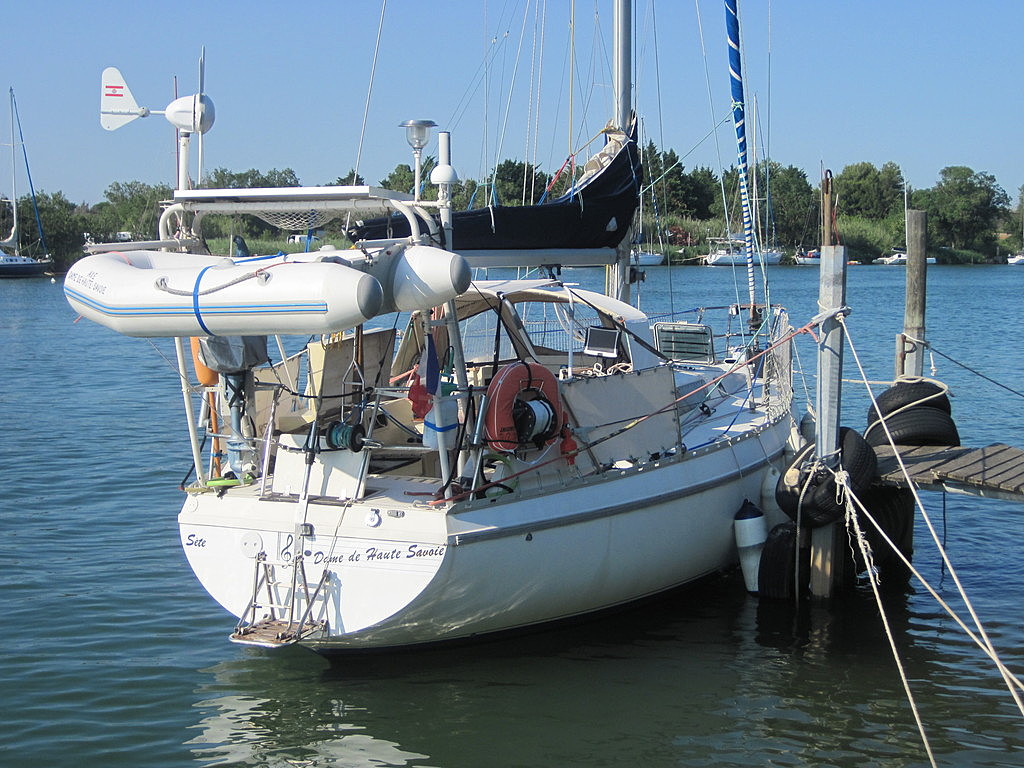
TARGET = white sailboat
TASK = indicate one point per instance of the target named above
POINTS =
(524, 452)
(898, 258)
(15, 263)
(731, 251)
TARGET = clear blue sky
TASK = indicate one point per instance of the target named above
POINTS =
(922, 84)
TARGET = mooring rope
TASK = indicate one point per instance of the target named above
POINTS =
(966, 367)
(865, 551)
(983, 640)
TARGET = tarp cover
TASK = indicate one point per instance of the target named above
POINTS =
(596, 214)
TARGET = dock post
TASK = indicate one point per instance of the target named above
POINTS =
(910, 346)
(831, 300)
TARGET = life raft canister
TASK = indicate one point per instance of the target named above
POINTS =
(523, 407)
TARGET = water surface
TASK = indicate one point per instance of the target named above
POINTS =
(116, 656)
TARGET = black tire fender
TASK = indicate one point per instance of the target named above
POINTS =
(920, 425)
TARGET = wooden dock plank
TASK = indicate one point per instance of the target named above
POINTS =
(995, 470)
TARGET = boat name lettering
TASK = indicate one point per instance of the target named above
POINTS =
(195, 541)
(320, 558)
(87, 281)
(415, 550)
(377, 553)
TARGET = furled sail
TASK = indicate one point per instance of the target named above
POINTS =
(732, 26)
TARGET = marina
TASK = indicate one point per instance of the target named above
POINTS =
(707, 676)
(358, 505)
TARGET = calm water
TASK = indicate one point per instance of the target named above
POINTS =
(114, 655)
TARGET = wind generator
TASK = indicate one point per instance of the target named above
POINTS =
(189, 115)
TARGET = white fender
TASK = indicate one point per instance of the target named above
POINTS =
(420, 277)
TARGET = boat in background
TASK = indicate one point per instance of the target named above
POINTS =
(645, 258)
(813, 259)
(898, 258)
(1017, 258)
(16, 263)
(731, 251)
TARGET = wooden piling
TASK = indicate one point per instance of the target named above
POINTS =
(910, 348)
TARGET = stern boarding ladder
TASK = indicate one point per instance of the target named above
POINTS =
(289, 605)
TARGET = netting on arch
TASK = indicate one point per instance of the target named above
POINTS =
(298, 221)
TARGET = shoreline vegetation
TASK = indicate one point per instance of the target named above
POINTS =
(970, 218)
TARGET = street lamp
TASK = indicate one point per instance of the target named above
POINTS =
(417, 133)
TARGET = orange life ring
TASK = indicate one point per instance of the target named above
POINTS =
(505, 389)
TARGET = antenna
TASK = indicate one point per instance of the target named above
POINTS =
(188, 114)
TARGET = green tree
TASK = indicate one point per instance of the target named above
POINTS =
(132, 206)
(963, 208)
(350, 179)
(222, 178)
(403, 179)
(790, 207)
(863, 190)
(519, 183)
(699, 191)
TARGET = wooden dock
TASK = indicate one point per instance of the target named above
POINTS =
(996, 471)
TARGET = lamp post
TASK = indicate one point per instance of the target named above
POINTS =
(417, 133)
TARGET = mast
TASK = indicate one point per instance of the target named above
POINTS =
(732, 25)
(28, 174)
(623, 44)
(12, 239)
(622, 63)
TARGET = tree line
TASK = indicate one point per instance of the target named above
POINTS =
(967, 210)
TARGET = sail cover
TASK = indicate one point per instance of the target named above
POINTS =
(596, 213)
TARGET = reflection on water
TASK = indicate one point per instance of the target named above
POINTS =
(705, 677)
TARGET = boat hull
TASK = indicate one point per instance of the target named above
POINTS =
(22, 266)
(770, 258)
(421, 575)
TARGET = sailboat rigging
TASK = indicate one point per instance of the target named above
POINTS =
(525, 452)
(16, 263)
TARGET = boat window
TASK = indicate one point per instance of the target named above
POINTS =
(558, 327)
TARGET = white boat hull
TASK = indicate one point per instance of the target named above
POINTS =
(646, 258)
(724, 259)
(420, 575)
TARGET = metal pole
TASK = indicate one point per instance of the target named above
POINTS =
(623, 45)
(618, 275)
(831, 302)
(910, 344)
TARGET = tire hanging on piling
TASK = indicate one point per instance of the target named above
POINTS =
(777, 571)
(819, 505)
(893, 510)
